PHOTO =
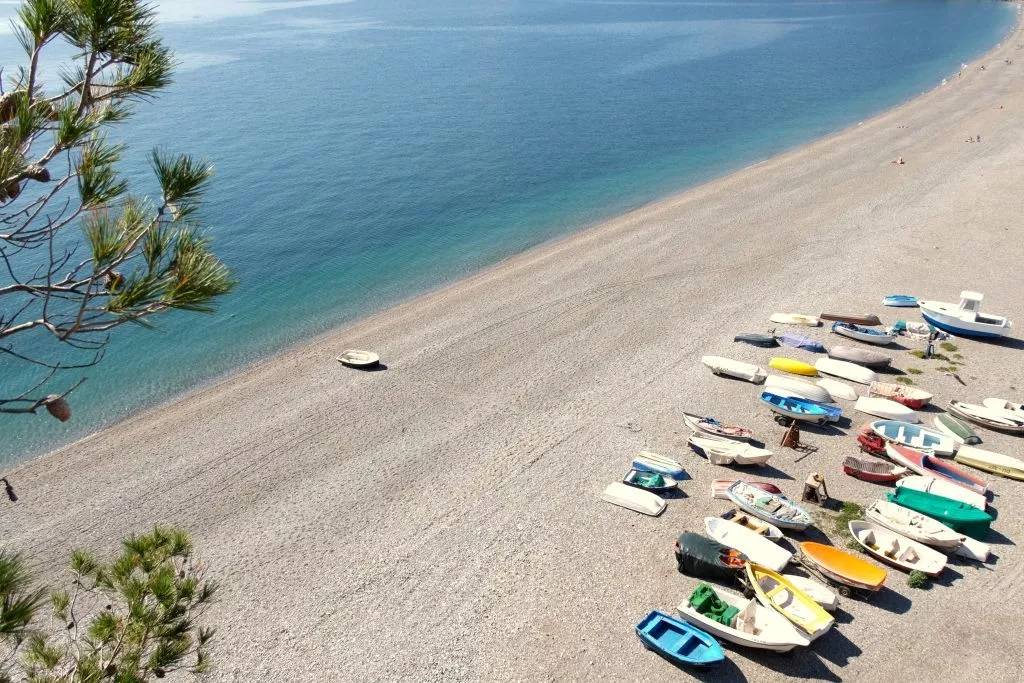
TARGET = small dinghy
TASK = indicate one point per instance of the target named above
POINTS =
(900, 301)
(758, 526)
(741, 621)
(914, 436)
(794, 367)
(649, 481)
(634, 499)
(896, 550)
(774, 508)
(800, 408)
(929, 466)
(908, 396)
(838, 389)
(850, 371)
(847, 570)
(659, 464)
(958, 430)
(734, 368)
(720, 487)
(794, 319)
(757, 548)
(678, 641)
(702, 557)
(943, 487)
(1014, 409)
(797, 387)
(913, 525)
(863, 334)
(865, 357)
(725, 452)
(987, 461)
(974, 549)
(875, 471)
(354, 358)
(959, 516)
(965, 319)
(986, 417)
(767, 341)
(776, 591)
(711, 426)
(801, 342)
(883, 407)
(868, 319)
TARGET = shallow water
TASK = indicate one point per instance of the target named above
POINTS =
(368, 151)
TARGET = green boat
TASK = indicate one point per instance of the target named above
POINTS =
(960, 517)
(958, 429)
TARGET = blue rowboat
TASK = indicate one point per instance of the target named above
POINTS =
(678, 641)
(900, 301)
(800, 408)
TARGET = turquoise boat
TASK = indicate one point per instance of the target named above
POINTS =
(961, 517)
(678, 641)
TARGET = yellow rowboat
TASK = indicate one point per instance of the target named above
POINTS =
(775, 590)
(793, 366)
(987, 461)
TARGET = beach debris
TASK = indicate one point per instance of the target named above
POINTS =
(815, 490)
(898, 160)
(58, 407)
(10, 490)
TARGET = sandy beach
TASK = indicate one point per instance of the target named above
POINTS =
(441, 520)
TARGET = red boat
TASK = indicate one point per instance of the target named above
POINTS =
(930, 466)
(874, 470)
(871, 442)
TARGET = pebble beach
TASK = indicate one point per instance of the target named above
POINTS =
(441, 519)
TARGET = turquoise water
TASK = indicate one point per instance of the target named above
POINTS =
(368, 151)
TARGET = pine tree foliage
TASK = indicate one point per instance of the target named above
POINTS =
(132, 619)
(80, 254)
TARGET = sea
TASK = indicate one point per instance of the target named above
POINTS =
(372, 150)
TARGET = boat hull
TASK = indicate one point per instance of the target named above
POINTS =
(846, 370)
(797, 518)
(987, 461)
(873, 538)
(774, 633)
(957, 515)
(776, 591)
(914, 525)
(886, 409)
(678, 641)
(793, 367)
(842, 567)
(930, 311)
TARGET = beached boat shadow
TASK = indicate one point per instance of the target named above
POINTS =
(805, 662)
(994, 537)
(765, 471)
(1004, 342)
(673, 494)
(889, 600)
(379, 367)
(947, 577)
(726, 671)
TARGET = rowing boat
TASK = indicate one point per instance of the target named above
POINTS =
(753, 625)
(869, 319)
(957, 515)
(841, 368)
(647, 461)
(941, 487)
(756, 547)
(838, 389)
(1015, 409)
(794, 367)
(763, 340)
(734, 368)
(883, 407)
(775, 590)
(678, 641)
(758, 526)
(634, 499)
(896, 550)
(913, 525)
(993, 419)
(875, 471)
(900, 301)
(774, 508)
(798, 387)
(710, 425)
(987, 461)
(842, 567)
(725, 452)
(863, 334)
(866, 357)
(800, 408)
(958, 430)
(720, 487)
(914, 436)
(911, 397)
(928, 465)
(794, 319)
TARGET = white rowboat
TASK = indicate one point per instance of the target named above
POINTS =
(354, 358)
(755, 626)
(794, 319)
(756, 547)
(799, 388)
(725, 452)
(1015, 409)
(883, 407)
(938, 487)
(850, 371)
(734, 368)
(913, 525)
(986, 417)
(914, 436)
(634, 499)
(838, 389)
(899, 551)
(987, 461)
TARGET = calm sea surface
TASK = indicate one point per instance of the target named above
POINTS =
(368, 151)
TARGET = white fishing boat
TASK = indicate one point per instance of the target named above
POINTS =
(913, 525)
(838, 389)
(896, 550)
(974, 549)
(850, 371)
(634, 499)
(774, 508)
(965, 319)
(798, 387)
(1015, 409)
(986, 417)
(938, 487)
(755, 626)
(734, 368)
(356, 358)
(794, 319)
(815, 591)
(758, 526)
(725, 452)
(756, 547)
(883, 407)
(914, 436)
(863, 334)
(987, 461)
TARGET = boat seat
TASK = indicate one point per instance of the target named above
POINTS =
(909, 556)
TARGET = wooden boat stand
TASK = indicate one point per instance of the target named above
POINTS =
(815, 491)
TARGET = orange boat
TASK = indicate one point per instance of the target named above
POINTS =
(842, 567)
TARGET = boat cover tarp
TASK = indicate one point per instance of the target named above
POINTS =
(649, 479)
(800, 342)
(701, 556)
(705, 600)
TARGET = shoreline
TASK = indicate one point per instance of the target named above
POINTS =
(536, 251)
(423, 522)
